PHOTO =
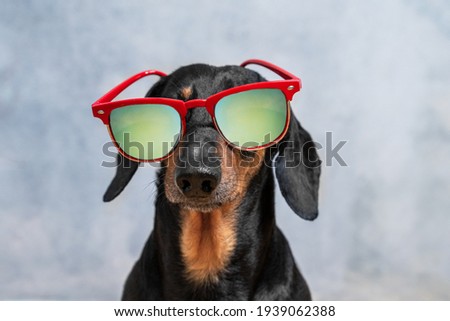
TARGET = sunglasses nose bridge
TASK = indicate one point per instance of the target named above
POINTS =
(195, 103)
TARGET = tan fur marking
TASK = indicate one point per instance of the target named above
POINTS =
(207, 242)
(186, 92)
(246, 169)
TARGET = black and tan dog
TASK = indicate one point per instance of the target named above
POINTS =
(217, 239)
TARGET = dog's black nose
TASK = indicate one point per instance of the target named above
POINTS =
(197, 184)
(198, 171)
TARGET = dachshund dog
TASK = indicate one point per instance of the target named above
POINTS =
(215, 235)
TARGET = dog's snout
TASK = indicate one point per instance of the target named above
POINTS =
(197, 184)
(198, 172)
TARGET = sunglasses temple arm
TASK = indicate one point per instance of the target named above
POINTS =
(113, 93)
(279, 71)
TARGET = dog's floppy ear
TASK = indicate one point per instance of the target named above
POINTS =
(126, 167)
(297, 168)
(124, 172)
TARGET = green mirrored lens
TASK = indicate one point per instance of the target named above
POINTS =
(252, 118)
(146, 132)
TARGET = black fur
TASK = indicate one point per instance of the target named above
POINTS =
(262, 266)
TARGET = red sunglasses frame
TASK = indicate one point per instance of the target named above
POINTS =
(103, 106)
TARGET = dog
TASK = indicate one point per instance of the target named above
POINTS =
(229, 246)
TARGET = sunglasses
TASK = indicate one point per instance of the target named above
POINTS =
(248, 117)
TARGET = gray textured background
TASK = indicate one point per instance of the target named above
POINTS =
(376, 74)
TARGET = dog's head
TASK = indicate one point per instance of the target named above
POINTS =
(204, 171)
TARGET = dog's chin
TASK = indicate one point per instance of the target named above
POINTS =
(200, 204)
(205, 204)
(200, 207)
